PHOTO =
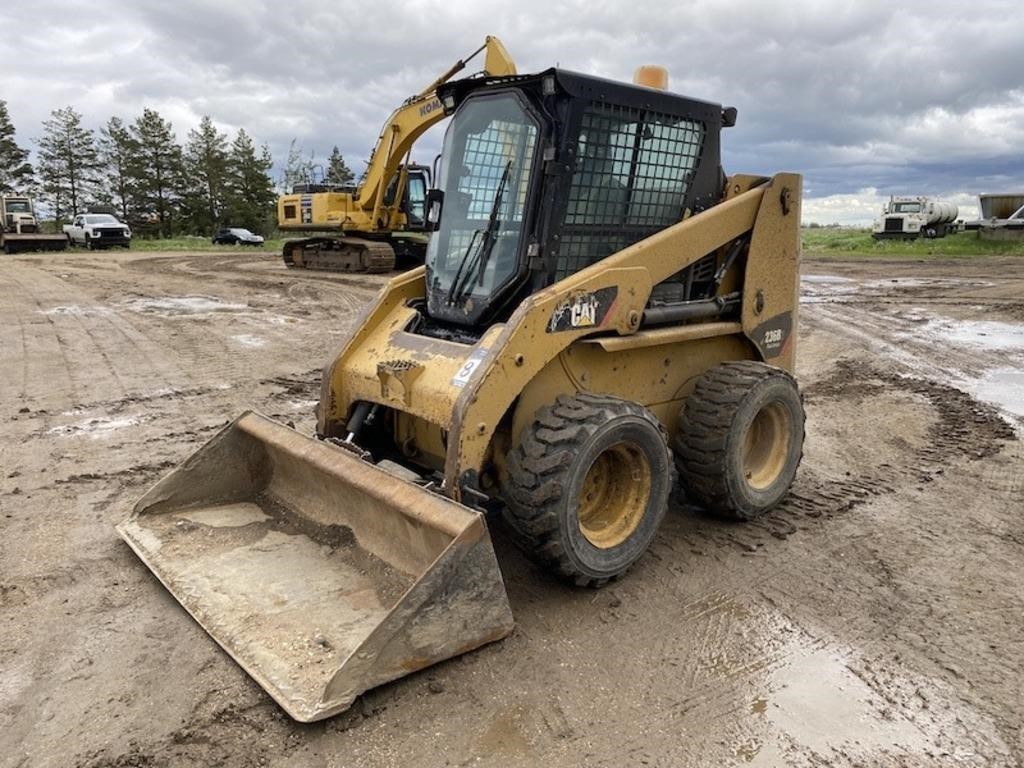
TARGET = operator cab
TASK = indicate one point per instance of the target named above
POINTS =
(414, 195)
(543, 175)
(17, 205)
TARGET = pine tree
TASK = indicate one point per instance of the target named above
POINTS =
(207, 171)
(251, 188)
(338, 173)
(15, 170)
(68, 160)
(157, 168)
(116, 149)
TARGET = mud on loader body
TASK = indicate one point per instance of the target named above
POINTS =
(601, 308)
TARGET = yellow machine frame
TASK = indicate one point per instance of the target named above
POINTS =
(455, 402)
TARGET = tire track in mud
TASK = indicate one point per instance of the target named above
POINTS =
(61, 349)
(891, 334)
(332, 302)
(9, 317)
(238, 269)
(733, 650)
(964, 428)
(58, 290)
(142, 343)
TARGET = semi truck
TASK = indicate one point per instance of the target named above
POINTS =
(19, 227)
(909, 218)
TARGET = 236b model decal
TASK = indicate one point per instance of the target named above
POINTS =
(772, 335)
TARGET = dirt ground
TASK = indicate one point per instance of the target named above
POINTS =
(875, 619)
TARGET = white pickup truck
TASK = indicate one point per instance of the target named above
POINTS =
(97, 230)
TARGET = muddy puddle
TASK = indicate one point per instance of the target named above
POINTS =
(183, 305)
(249, 340)
(818, 285)
(988, 353)
(73, 310)
(1004, 388)
(826, 705)
(96, 428)
(929, 326)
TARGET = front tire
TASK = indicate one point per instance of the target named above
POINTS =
(588, 486)
(740, 439)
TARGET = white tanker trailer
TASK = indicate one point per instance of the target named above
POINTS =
(912, 217)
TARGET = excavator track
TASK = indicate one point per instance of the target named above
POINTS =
(339, 254)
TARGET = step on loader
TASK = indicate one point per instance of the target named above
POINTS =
(603, 313)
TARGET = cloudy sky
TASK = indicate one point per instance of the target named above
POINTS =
(866, 99)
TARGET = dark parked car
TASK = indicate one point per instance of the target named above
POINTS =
(236, 236)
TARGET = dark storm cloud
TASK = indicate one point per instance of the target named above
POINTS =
(865, 99)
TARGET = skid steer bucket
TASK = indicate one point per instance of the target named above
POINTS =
(321, 574)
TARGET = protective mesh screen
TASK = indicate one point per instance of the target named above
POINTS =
(633, 169)
(502, 149)
(484, 162)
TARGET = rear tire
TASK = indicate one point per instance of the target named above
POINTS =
(740, 439)
(588, 486)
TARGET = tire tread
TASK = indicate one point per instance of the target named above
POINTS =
(538, 469)
(701, 445)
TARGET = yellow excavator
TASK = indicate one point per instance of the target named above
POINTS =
(603, 313)
(365, 228)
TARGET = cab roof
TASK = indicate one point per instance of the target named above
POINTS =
(591, 88)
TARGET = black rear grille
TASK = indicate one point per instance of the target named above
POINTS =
(894, 224)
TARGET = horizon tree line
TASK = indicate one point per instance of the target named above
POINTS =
(154, 183)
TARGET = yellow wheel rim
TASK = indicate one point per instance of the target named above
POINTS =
(614, 495)
(766, 446)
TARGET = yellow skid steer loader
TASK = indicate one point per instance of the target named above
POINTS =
(602, 310)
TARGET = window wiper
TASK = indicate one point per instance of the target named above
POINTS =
(450, 296)
(478, 264)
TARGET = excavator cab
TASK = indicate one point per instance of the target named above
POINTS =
(414, 181)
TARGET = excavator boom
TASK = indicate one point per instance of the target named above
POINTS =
(414, 117)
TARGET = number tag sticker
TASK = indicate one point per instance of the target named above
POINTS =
(465, 373)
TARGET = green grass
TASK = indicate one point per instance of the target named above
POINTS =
(823, 242)
(200, 244)
(859, 243)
